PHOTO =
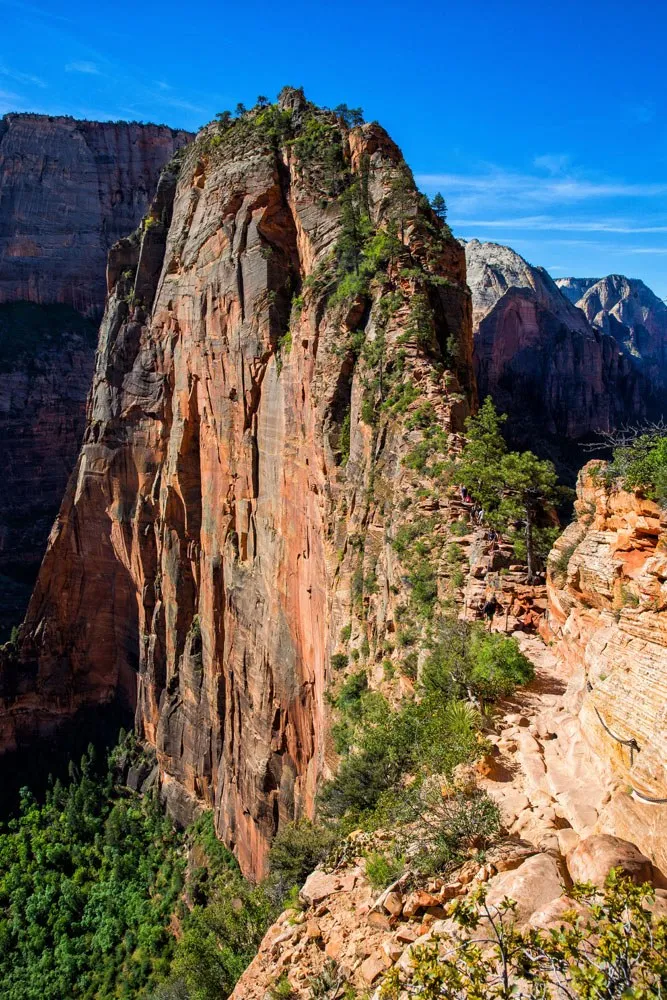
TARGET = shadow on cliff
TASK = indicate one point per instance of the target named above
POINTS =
(36, 764)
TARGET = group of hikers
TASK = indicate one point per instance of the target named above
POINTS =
(476, 509)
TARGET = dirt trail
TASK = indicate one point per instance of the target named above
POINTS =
(549, 785)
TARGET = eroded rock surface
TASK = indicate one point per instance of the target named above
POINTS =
(68, 190)
(607, 586)
(205, 556)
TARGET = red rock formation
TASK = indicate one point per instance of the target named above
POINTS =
(540, 359)
(607, 586)
(204, 554)
(68, 190)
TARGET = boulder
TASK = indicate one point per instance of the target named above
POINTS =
(594, 857)
(532, 885)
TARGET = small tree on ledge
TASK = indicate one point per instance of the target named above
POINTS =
(517, 490)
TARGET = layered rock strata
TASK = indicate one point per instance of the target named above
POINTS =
(626, 309)
(68, 191)
(242, 462)
(607, 587)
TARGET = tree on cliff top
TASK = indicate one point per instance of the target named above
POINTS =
(517, 490)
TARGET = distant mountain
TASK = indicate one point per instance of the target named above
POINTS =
(563, 371)
(630, 312)
(575, 288)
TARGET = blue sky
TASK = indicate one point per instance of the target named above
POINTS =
(542, 124)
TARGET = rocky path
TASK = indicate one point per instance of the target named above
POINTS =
(548, 784)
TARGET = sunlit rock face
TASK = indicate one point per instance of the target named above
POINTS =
(203, 560)
(607, 586)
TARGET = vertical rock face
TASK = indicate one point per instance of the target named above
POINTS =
(204, 558)
(607, 586)
(628, 310)
(540, 357)
(68, 190)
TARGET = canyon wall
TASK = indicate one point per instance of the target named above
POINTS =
(231, 512)
(68, 190)
(607, 589)
(543, 360)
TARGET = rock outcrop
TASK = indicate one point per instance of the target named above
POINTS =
(627, 310)
(542, 361)
(68, 190)
(607, 587)
(242, 462)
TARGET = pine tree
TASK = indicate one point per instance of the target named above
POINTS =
(439, 206)
(512, 487)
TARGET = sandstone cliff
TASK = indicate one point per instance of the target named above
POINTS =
(542, 361)
(68, 190)
(607, 587)
(241, 472)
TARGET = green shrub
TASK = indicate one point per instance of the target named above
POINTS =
(339, 661)
(383, 869)
(459, 528)
(297, 849)
(615, 949)
(452, 827)
(642, 466)
(345, 633)
(282, 989)
(468, 660)
(348, 700)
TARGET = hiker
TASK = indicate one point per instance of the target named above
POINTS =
(490, 608)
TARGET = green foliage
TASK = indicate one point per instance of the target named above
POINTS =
(221, 938)
(514, 489)
(346, 633)
(418, 738)
(613, 951)
(345, 437)
(383, 869)
(349, 697)
(88, 883)
(439, 206)
(420, 327)
(469, 661)
(642, 465)
(281, 989)
(452, 826)
(297, 849)
(339, 661)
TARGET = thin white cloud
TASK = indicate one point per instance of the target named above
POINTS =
(553, 163)
(545, 223)
(18, 77)
(83, 66)
(537, 190)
